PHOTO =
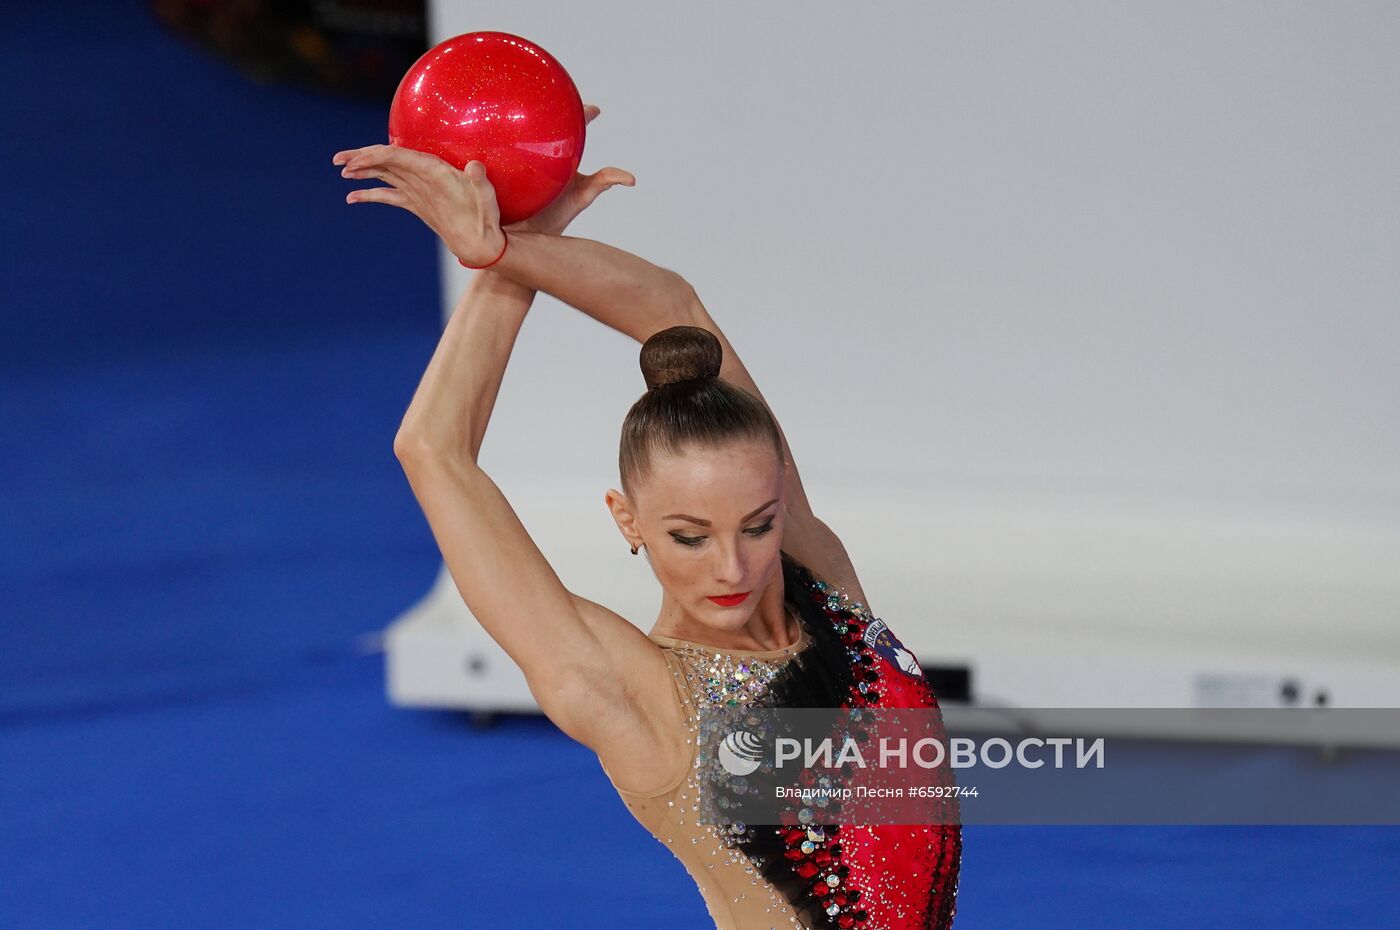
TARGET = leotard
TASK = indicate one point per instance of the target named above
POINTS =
(751, 877)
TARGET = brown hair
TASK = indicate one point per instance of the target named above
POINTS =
(687, 404)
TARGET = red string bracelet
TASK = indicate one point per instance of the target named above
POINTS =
(504, 244)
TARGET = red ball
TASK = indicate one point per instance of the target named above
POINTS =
(501, 100)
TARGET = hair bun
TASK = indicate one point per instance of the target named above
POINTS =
(680, 353)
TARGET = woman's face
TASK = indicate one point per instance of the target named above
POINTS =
(711, 520)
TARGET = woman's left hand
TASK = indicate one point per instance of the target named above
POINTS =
(460, 206)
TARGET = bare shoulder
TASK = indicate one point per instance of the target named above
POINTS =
(810, 541)
(626, 711)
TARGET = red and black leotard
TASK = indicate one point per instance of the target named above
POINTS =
(844, 875)
(890, 877)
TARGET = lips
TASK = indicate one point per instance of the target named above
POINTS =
(731, 600)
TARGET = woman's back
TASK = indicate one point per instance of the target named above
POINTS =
(892, 877)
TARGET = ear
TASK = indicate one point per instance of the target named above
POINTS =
(623, 516)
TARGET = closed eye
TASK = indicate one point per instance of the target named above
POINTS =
(692, 541)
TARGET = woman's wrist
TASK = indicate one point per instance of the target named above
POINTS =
(492, 286)
(482, 251)
(609, 284)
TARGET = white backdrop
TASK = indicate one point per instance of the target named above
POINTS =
(1081, 318)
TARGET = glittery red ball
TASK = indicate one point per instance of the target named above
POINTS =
(499, 99)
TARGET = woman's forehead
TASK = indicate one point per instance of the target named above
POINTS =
(711, 489)
(747, 462)
(739, 452)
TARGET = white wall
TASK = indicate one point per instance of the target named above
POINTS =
(1146, 248)
(1137, 257)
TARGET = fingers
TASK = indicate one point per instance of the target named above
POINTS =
(347, 157)
(372, 156)
(389, 195)
(611, 176)
(379, 174)
(488, 210)
(604, 178)
(405, 161)
(589, 112)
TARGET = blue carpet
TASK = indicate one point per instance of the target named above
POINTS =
(204, 356)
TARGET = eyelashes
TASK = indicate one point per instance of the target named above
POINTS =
(690, 542)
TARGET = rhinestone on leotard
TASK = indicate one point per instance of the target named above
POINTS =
(862, 878)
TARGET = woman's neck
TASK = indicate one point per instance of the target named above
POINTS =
(771, 627)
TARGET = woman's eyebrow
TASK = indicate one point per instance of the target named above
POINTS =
(681, 516)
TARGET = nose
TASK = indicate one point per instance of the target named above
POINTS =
(729, 567)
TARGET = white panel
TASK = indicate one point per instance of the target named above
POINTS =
(1081, 318)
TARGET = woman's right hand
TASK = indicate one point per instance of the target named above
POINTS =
(460, 206)
(577, 197)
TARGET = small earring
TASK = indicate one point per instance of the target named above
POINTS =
(634, 550)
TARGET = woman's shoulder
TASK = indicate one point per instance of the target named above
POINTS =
(638, 722)
(812, 543)
(835, 582)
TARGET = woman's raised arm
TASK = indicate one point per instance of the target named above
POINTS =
(570, 649)
(611, 285)
(635, 297)
(568, 646)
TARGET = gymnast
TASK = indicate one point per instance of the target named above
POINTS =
(759, 601)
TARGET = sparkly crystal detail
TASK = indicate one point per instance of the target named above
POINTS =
(728, 680)
(830, 893)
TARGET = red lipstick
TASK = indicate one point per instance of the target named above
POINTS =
(732, 600)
